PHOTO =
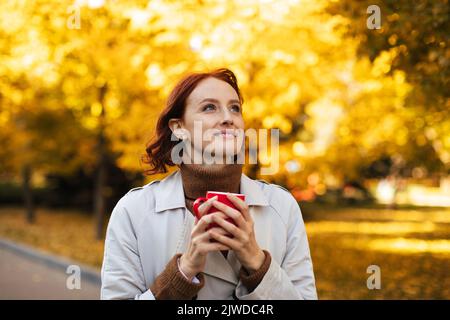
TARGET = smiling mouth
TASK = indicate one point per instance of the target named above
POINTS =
(225, 134)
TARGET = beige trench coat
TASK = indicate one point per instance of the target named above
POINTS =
(150, 224)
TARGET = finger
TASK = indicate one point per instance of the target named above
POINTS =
(227, 226)
(205, 237)
(215, 246)
(219, 214)
(202, 224)
(202, 238)
(240, 205)
(230, 212)
(219, 230)
(232, 243)
(205, 206)
(203, 243)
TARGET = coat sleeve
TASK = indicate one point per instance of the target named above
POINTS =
(294, 278)
(122, 274)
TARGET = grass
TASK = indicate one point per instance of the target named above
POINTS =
(62, 232)
(410, 245)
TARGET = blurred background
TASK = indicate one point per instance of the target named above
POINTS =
(360, 96)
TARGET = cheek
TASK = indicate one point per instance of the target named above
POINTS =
(193, 124)
(208, 128)
(200, 131)
(240, 123)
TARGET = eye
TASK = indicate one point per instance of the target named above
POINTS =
(236, 108)
(208, 107)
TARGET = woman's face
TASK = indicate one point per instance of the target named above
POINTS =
(212, 119)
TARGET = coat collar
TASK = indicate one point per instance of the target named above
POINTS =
(170, 193)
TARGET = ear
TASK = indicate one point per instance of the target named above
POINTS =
(176, 125)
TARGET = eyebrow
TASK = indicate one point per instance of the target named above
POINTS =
(217, 101)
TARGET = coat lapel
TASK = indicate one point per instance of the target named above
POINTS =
(217, 266)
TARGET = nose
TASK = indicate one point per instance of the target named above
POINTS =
(227, 118)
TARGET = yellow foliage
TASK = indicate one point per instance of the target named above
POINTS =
(297, 69)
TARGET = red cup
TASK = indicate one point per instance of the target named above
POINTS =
(221, 197)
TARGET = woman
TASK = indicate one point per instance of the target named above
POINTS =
(156, 249)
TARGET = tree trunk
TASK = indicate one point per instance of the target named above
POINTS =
(27, 193)
(100, 182)
(100, 179)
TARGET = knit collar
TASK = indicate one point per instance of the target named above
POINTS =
(197, 179)
(169, 192)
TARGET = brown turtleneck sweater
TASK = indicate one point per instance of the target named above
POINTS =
(197, 180)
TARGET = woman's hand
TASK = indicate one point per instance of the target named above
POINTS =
(243, 242)
(192, 262)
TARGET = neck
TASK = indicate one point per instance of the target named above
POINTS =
(200, 178)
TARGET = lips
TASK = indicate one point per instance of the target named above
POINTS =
(226, 133)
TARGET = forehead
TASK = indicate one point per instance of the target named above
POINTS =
(214, 89)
